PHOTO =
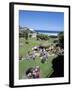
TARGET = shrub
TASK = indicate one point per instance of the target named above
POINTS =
(61, 39)
(42, 37)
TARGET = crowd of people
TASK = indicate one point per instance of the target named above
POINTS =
(31, 56)
(43, 54)
(33, 72)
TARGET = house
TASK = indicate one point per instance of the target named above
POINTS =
(33, 35)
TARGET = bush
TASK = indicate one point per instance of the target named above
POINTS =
(42, 37)
(26, 42)
(55, 41)
(61, 39)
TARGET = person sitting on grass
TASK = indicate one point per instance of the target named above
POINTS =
(29, 73)
(33, 72)
(36, 72)
(44, 56)
(41, 52)
(28, 56)
(33, 55)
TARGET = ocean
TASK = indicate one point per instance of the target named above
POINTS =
(47, 32)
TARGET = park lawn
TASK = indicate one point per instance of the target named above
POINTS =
(45, 69)
(23, 50)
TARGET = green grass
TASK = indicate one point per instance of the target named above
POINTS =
(32, 42)
(45, 69)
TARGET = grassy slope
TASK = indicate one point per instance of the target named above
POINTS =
(46, 68)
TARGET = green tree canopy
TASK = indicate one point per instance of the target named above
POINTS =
(61, 39)
(42, 37)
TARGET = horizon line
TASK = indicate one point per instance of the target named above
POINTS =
(44, 31)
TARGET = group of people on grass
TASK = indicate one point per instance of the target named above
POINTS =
(30, 56)
(33, 72)
(43, 54)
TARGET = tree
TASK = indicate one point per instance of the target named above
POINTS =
(42, 37)
(61, 39)
(26, 32)
(26, 35)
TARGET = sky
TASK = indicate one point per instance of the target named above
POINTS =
(41, 20)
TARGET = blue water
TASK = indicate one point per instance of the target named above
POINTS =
(48, 32)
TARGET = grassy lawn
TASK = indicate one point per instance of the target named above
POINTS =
(45, 69)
